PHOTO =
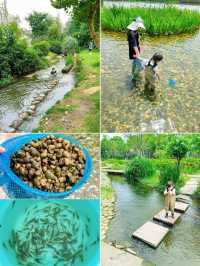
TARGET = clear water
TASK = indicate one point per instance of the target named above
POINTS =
(176, 109)
(136, 205)
(16, 98)
(10, 219)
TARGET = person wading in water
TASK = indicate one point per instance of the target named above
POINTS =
(170, 198)
(134, 51)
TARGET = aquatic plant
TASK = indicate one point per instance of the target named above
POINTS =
(158, 21)
(138, 168)
(52, 234)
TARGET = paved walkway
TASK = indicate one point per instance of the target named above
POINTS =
(111, 256)
(191, 185)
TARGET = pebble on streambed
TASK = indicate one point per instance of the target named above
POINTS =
(25, 115)
(51, 164)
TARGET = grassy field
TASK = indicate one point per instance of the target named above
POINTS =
(79, 110)
(158, 21)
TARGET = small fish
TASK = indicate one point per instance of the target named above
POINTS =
(13, 204)
(4, 245)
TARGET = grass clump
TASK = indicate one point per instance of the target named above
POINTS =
(197, 192)
(139, 168)
(158, 21)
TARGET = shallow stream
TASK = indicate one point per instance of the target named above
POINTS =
(17, 98)
(176, 108)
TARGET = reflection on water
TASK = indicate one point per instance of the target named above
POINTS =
(135, 206)
(17, 97)
(175, 109)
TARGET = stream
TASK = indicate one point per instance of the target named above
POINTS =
(136, 205)
(175, 109)
(18, 97)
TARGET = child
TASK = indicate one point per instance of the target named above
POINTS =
(170, 198)
(53, 71)
(151, 75)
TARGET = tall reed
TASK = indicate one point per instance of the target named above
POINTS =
(158, 21)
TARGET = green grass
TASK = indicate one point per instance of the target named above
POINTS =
(197, 192)
(87, 63)
(57, 109)
(92, 120)
(158, 21)
(107, 192)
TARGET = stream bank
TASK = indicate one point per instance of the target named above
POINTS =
(79, 110)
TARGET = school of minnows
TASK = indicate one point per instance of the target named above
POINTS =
(53, 234)
(51, 164)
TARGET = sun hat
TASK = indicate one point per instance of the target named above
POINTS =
(136, 24)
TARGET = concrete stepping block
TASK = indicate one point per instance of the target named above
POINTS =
(151, 233)
(181, 206)
(183, 198)
(160, 217)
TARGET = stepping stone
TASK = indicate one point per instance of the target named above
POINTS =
(183, 198)
(181, 207)
(160, 217)
(151, 233)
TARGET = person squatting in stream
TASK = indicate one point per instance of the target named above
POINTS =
(152, 76)
(170, 198)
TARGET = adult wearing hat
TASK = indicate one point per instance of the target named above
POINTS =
(134, 50)
(170, 198)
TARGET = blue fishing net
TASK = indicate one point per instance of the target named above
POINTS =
(17, 188)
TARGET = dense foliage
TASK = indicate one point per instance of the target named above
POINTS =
(168, 172)
(138, 168)
(171, 156)
(86, 11)
(158, 21)
(17, 58)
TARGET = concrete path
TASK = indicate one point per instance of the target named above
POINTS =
(191, 185)
(111, 256)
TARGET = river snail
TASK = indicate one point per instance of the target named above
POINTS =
(50, 164)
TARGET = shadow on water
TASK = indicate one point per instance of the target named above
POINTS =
(136, 205)
(17, 98)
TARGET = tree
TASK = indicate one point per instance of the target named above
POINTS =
(177, 148)
(83, 11)
(39, 23)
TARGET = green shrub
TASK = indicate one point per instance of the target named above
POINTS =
(168, 20)
(16, 57)
(197, 192)
(42, 47)
(69, 60)
(168, 172)
(138, 168)
(70, 46)
(56, 46)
